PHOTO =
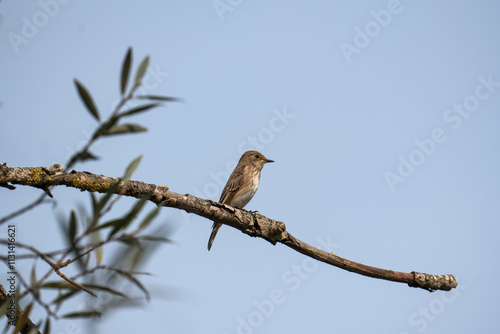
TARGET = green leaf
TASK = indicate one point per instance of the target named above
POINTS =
(63, 296)
(69, 286)
(149, 218)
(59, 285)
(81, 156)
(87, 99)
(23, 319)
(101, 203)
(105, 199)
(134, 280)
(82, 314)
(33, 281)
(141, 70)
(46, 328)
(159, 98)
(125, 71)
(131, 242)
(106, 289)
(105, 127)
(124, 128)
(109, 223)
(126, 220)
(95, 214)
(155, 238)
(96, 239)
(73, 227)
(33, 275)
(139, 109)
(131, 168)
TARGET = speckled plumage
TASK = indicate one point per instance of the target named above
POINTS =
(241, 185)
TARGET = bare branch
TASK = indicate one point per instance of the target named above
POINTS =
(253, 224)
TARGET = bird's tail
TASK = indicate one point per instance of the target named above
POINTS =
(215, 228)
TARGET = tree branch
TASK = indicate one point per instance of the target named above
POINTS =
(252, 224)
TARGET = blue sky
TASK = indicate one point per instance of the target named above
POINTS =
(382, 117)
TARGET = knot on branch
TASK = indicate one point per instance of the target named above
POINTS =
(433, 282)
(272, 230)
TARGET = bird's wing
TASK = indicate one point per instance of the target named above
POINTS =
(232, 186)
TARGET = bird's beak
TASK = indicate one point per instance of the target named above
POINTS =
(269, 160)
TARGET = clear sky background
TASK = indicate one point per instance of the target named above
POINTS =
(382, 117)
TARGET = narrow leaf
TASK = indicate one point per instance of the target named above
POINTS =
(82, 314)
(149, 218)
(81, 156)
(23, 319)
(125, 71)
(134, 280)
(109, 223)
(141, 70)
(139, 109)
(64, 296)
(105, 127)
(73, 227)
(105, 199)
(159, 98)
(131, 168)
(96, 239)
(69, 286)
(124, 128)
(155, 238)
(59, 285)
(33, 275)
(87, 99)
(95, 214)
(46, 328)
(106, 289)
(126, 220)
(33, 280)
(131, 242)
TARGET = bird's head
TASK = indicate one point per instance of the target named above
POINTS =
(255, 158)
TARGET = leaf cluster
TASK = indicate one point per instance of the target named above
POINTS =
(113, 125)
(89, 234)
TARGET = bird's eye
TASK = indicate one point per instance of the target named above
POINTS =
(257, 156)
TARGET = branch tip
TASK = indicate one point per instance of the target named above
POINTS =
(432, 283)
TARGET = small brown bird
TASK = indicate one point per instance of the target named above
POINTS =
(242, 184)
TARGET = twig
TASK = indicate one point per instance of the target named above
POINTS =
(56, 267)
(36, 297)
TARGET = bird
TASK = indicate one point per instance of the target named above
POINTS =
(241, 185)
